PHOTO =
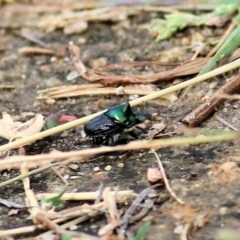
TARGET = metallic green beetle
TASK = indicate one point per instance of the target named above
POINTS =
(113, 121)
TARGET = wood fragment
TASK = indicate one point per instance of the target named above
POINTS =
(198, 115)
(35, 50)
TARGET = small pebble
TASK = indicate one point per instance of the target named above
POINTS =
(74, 177)
(185, 41)
(73, 227)
(96, 169)
(223, 210)
(225, 110)
(64, 134)
(108, 168)
(132, 97)
(93, 226)
(53, 59)
(99, 62)
(72, 75)
(120, 165)
(178, 229)
(66, 59)
(235, 106)
(81, 40)
(50, 101)
(73, 167)
(66, 177)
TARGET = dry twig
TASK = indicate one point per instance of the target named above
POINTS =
(83, 196)
(168, 187)
(187, 68)
(230, 126)
(198, 115)
(137, 202)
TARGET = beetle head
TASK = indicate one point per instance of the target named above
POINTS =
(123, 114)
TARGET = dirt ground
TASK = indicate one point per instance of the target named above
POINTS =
(193, 170)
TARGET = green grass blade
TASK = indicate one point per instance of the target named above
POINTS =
(142, 231)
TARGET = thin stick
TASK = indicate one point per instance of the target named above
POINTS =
(223, 38)
(61, 128)
(12, 180)
(184, 233)
(60, 176)
(21, 230)
(31, 200)
(83, 196)
(168, 187)
(226, 123)
(198, 115)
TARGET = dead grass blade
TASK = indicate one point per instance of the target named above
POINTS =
(81, 90)
(168, 187)
(14, 130)
(113, 216)
(187, 68)
(135, 102)
(121, 196)
(83, 155)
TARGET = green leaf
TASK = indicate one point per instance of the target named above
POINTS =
(227, 234)
(65, 237)
(228, 47)
(54, 201)
(142, 231)
(173, 22)
(51, 121)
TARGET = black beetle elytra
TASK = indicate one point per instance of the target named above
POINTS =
(113, 121)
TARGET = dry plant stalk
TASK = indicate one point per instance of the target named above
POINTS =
(78, 90)
(31, 201)
(113, 216)
(121, 196)
(35, 50)
(187, 68)
(83, 155)
(83, 212)
(168, 187)
(198, 115)
(37, 214)
(3, 86)
(174, 88)
(230, 126)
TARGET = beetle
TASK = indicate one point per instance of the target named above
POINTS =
(115, 120)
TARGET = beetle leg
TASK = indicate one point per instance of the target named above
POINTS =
(142, 129)
(133, 134)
